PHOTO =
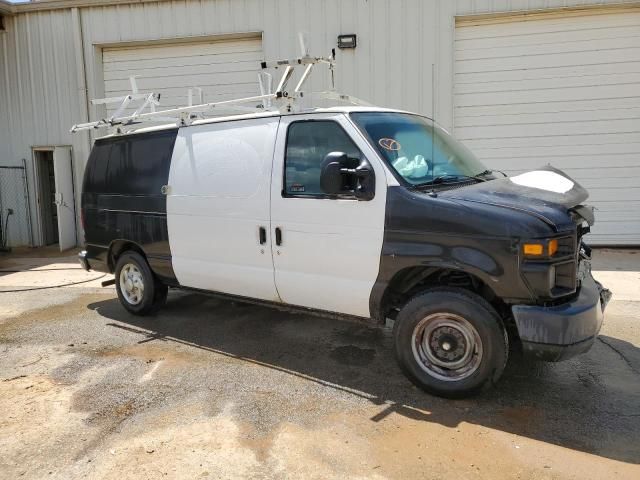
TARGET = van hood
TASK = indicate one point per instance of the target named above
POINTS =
(545, 193)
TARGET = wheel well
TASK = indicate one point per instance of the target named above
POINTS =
(118, 247)
(410, 281)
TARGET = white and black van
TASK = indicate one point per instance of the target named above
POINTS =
(363, 212)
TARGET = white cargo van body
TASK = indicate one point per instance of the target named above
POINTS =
(227, 183)
(358, 211)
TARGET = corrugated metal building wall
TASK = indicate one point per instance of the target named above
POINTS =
(41, 91)
(43, 72)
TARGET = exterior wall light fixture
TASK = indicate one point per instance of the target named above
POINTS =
(347, 41)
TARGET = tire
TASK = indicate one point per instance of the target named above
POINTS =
(139, 291)
(450, 342)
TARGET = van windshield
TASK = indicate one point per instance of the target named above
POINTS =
(421, 152)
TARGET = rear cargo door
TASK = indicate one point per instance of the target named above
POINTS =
(218, 207)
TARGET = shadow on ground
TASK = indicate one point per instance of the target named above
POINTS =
(590, 404)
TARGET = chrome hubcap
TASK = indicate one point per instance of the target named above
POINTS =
(446, 346)
(131, 284)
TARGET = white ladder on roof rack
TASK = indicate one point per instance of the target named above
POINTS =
(281, 99)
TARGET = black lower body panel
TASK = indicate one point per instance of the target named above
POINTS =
(95, 258)
(562, 331)
(162, 267)
(112, 226)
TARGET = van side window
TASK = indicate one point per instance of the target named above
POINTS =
(130, 165)
(308, 142)
(95, 177)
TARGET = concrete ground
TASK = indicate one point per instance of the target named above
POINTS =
(215, 389)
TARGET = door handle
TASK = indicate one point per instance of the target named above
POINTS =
(263, 235)
(278, 236)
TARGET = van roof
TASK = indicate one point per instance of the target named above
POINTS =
(271, 113)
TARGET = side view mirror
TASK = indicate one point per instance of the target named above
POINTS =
(341, 174)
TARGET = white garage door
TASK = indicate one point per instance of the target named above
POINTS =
(561, 90)
(222, 69)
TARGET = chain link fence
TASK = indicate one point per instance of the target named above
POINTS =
(15, 216)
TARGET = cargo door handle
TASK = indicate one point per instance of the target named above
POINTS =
(263, 235)
(278, 236)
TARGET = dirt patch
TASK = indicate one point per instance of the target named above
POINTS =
(405, 447)
(523, 418)
(258, 443)
(331, 450)
(149, 353)
(173, 447)
(36, 411)
(22, 316)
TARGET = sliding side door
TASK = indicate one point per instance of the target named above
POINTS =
(218, 207)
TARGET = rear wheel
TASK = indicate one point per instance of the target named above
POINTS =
(139, 291)
(450, 342)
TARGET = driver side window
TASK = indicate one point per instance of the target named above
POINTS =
(308, 143)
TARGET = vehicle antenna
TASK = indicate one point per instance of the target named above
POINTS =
(433, 120)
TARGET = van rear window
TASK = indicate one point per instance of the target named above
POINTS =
(135, 165)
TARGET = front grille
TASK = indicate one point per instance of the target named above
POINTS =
(555, 276)
(566, 276)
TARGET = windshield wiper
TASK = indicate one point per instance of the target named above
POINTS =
(449, 178)
(489, 172)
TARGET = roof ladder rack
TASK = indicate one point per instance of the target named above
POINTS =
(280, 99)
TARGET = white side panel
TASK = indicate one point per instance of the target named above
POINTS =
(218, 199)
(330, 253)
(64, 198)
(563, 91)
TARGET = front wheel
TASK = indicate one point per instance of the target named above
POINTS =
(450, 342)
(139, 291)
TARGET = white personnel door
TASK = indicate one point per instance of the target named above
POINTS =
(64, 198)
(329, 254)
(218, 207)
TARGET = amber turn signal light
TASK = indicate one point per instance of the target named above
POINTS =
(535, 249)
(538, 249)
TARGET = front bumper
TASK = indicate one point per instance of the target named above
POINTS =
(562, 331)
